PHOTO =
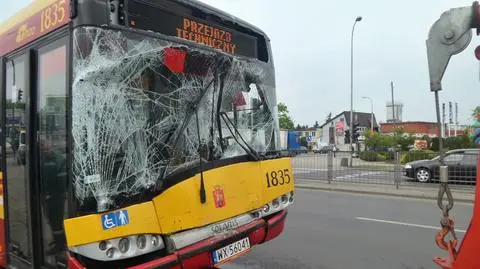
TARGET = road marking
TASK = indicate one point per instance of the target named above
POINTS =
(407, 224)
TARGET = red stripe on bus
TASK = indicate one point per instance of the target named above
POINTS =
(41, 23)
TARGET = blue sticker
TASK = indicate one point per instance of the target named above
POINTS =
(109, 221)
(122, 218)
(115, 219)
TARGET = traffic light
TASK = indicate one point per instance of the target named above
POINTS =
(347, 136)
(19, 95)
(356, 132)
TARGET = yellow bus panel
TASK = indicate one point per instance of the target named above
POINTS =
(244, 188)
(88, 229)
(230, 191)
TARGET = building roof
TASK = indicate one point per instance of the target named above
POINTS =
(410, 122)
(418, 127)
(364, 119)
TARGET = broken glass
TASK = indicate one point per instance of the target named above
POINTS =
(135, 104)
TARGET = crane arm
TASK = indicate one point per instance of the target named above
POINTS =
(448, 36)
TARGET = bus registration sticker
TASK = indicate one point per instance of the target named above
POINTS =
(115, 219)
(228, 252)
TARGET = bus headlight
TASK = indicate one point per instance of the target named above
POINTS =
(141, 241)
(102, 245)
(124, 245)
(266, 208)
(110, 252)
(121, 248)
(275, 205)
(155, 240)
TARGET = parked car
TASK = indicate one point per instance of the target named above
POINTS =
(462, 166)
(303, 149)
(324, 149)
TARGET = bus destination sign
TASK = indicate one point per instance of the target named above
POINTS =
(206, 35)
(46, 20)
(186, 26)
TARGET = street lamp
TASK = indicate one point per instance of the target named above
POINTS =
(359, 18)
(371, 102)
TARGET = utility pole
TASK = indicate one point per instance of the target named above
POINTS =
(357, 19)
(450, 118)
(443, 131)
(456, 118)
(393, 105)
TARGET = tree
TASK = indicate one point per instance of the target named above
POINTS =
(284, 119)
(298, 127)
(476, 112)
(329, 117)
(303, 141)
(459, 142)
(406, 142)
(316, 125)
(428, 139)
(372, 140)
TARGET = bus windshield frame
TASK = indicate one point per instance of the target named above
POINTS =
(210, 107)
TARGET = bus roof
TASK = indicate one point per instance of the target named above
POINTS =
(26, 25)
(23, 15)
(224, 14)
(39, 5)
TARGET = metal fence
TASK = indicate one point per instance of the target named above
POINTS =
(416, 168)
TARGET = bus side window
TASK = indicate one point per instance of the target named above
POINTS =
(16, 181)
(52, 97)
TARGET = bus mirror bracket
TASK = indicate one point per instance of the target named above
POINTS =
(73, 9)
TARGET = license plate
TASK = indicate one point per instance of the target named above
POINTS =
(230, 251)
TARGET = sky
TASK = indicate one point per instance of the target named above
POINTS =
(311, 50)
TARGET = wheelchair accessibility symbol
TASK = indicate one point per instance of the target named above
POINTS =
(115, 219)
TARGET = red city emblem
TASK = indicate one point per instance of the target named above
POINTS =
(218, 196)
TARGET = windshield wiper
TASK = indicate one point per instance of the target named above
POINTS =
(191, 110)
(246, 146)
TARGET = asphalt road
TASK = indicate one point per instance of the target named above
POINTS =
(331, 230)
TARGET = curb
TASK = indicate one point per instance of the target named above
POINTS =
(379, 193)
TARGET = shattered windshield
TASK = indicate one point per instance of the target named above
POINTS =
(144, 108)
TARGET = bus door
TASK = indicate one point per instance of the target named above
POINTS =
(51, 151)
(17, 179)
(35, 170)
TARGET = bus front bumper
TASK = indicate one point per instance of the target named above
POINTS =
(200, 254)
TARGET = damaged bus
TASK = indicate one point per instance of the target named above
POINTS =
(151, 136)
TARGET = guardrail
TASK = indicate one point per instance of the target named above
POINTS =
(388, 168)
